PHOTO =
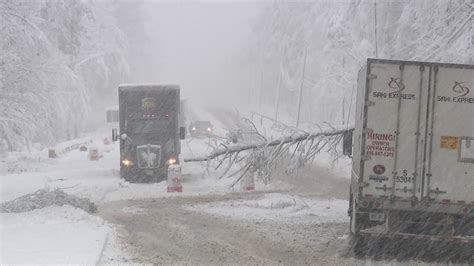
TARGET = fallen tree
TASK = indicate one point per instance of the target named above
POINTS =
(258, 155)
(236, 148)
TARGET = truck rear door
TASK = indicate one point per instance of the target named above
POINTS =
(394, 133)
(419, 131)
(449, 176)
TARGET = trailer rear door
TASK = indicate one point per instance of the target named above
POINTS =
(449, 170)
(418, 135)
(396, 105)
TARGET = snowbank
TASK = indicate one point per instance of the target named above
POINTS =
(276, 207)
(52, 235)
(45, 198)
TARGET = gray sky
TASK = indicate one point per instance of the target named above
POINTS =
(200, 44)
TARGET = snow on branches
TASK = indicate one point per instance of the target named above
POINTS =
(45, 94)
(247, 149)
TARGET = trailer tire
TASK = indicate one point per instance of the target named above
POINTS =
(359, 245)
(467, 229)
(349, 211)
(358, 242)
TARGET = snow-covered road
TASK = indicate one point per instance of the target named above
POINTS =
(231, 229)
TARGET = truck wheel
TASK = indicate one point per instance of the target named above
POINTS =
(162, 175)
(359, 245)
(467, 228)
(349, 211)
(123, 173)
(358, 221)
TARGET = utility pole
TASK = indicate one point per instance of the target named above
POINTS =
(301, 88)
(375, 29)
(252, 84)
(343, 110)
(262, 84)
(277, 105)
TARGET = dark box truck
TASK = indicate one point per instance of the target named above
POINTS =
(149, 131)
(413, 152)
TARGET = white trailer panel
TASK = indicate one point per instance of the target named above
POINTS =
(450, 160)
(415, 136)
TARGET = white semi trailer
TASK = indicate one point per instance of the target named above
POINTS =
(413, 152)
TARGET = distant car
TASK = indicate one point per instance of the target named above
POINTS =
(200, 129)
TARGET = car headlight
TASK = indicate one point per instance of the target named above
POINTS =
(171, 161)
(209, 129)
(127, 162)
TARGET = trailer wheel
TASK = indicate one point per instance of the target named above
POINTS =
(359, 245)
(349, 211)
(467, 228)
(358, 220)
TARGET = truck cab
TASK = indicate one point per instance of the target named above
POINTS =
(149, 131)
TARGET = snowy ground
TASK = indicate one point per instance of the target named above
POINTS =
(277, 207)
(52, 235)
(100, 180)
(56, 234)
(163, 232)
(44, 235)
(67, 235)
(298, 219)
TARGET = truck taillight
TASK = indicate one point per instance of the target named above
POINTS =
(365, 204)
